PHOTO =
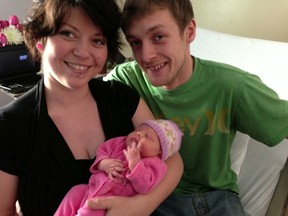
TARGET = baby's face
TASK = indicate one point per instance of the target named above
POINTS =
(148, 138)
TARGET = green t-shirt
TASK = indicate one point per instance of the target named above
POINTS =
(210, 107)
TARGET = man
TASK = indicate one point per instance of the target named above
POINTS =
(209, 101)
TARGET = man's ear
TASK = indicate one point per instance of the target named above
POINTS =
(190, 31)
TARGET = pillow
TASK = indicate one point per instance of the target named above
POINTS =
(238, 151)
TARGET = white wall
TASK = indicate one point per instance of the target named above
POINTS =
(14, 7)
(251, 18)
(266, 19)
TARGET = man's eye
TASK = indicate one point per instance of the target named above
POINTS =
(158, 37)
(134, 43)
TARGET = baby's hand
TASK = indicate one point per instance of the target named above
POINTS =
(113, 167)
(132, 154)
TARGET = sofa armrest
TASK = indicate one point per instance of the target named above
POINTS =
(278, 201)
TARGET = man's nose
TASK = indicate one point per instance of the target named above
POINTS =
(148, 51)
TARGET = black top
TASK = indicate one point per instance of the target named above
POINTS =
(32, 147)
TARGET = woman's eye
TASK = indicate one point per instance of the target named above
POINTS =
(67, 34)
(99, 41)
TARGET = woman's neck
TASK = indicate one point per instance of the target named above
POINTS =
(62, 97)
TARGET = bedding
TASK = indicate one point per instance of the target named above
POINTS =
(258, 167)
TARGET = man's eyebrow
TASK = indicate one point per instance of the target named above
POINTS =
(153, 28)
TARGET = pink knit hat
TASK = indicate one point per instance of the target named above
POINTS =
(169, 135)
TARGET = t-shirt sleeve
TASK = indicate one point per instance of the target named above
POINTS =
(267, 115)
(147, 174)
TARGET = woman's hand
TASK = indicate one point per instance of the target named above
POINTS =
(116, 206)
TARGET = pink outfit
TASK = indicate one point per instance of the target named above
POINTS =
(147, 174)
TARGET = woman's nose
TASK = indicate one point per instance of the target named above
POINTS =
(81, 50)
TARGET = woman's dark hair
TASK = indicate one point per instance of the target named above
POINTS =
(46, 16)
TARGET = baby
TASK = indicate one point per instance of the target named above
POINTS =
(126, 166)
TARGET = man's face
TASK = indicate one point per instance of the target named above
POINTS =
(161, 49)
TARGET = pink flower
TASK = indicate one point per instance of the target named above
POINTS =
(3, 40)
(11, 31)
(19, 27)
(13, 20)
(5, 23)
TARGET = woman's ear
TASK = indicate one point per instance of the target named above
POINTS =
(39, 46)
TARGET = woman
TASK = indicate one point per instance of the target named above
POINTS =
(49, 136)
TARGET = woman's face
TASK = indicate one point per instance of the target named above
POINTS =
(76, 53)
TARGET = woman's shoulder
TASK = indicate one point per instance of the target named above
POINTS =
(112, 88)
(116, 103)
